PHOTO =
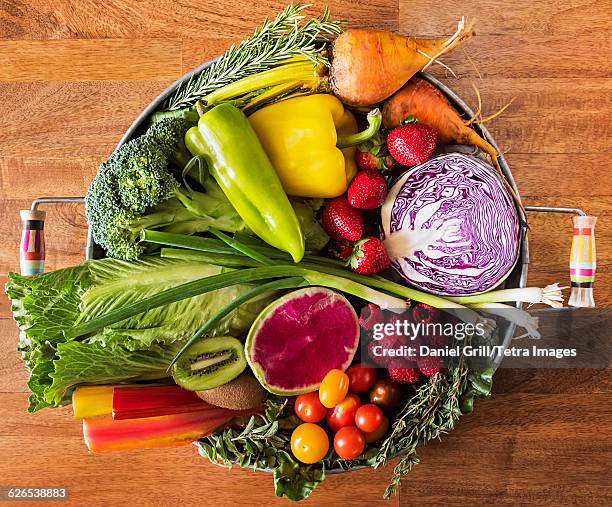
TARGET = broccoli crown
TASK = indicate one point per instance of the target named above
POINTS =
(140, 174)
(134, 179)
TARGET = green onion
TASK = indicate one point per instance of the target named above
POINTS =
(214, 245)
(519, 317)
(178, 293)
(242, 248)
(373, 281)
(234, 277)
(285, 283)
(184, 241)
(218, 259)
(551, 295)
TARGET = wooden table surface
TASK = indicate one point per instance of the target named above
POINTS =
(73, 76)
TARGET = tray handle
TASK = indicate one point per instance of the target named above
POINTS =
(583, 255)
(32, 247)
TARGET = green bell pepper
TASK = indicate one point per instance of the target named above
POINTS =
(239, 164)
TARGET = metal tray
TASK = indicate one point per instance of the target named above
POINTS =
(517, 277)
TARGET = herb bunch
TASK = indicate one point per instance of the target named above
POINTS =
(431, 412)
(274, 42)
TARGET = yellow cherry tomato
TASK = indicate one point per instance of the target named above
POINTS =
(309, 443)
(334, 388)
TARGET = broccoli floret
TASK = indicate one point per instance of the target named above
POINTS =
(140, 175)
(135, 189)
(169, 135)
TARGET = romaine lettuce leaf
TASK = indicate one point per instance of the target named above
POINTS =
(46, 305)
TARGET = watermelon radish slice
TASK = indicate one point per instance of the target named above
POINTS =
(298, 338)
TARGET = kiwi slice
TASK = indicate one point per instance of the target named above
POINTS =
(209, 363)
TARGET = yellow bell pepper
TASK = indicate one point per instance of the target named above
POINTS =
(310, 141)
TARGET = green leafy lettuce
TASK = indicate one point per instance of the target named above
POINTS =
(138, 348)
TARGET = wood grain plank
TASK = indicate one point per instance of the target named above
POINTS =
(25, 178)
(551, 234)
(89, 60)
(575, 17)
(552, 381)
(519, 449)
(58, 119)
(543, 438)
(65, 234)
(64, 19)
(541, 56)
(13, 374)
(568, 170)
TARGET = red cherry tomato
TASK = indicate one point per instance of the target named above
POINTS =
(343, 414)
(377, 435)
(349, 442)
(309, 409)
(368, 418)
(361, 378)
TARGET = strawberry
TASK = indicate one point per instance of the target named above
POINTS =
(371, 314)
(366, 160)
(379, 360)
(425, 313)
(386, 343)
(430, 365)
(369, 256)
(342, 221)
(373, 154)
(438, 341)
(367, 190)
(412, 144)
(404, 375)
(342, 250)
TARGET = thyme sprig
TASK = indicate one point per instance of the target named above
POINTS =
(274, 42)
(432, 411)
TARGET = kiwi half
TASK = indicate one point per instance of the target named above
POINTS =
(242, 393)
(209, 363)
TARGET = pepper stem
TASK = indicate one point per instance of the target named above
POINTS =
(374, 121)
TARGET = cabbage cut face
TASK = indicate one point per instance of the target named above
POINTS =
(450, 227)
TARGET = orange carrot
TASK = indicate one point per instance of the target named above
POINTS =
(421, 99)
(370, 65)
(428, 105)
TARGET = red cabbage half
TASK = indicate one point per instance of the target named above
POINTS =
(450, 226)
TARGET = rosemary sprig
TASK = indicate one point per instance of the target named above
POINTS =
(432, 411)
(274, 42)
